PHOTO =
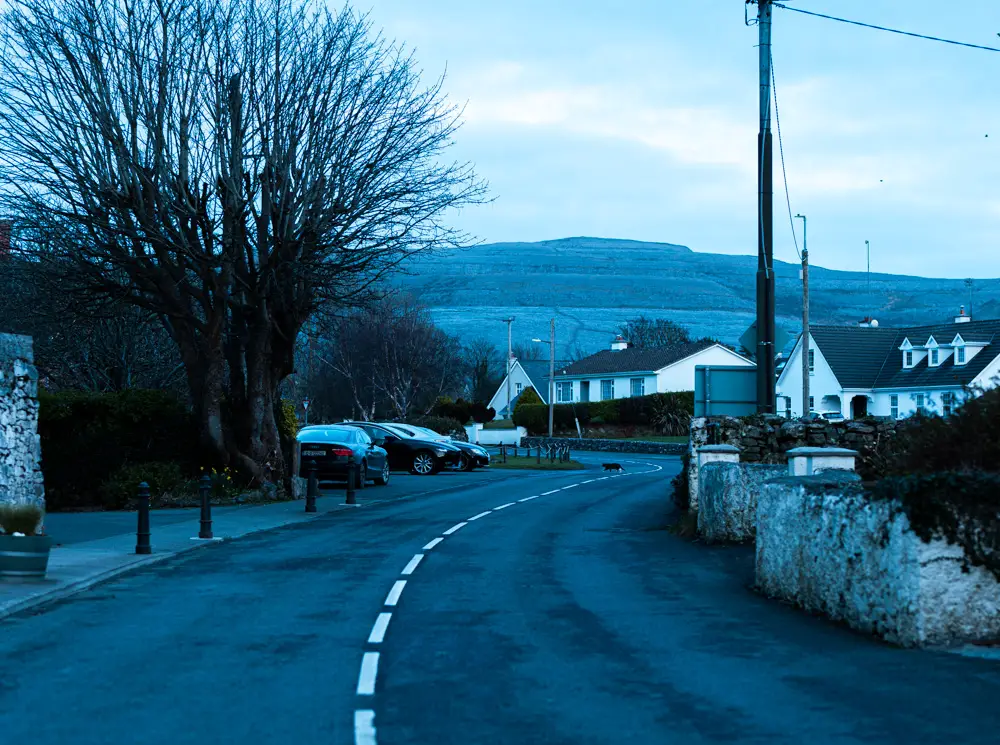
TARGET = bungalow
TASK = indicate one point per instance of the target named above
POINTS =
(624, 371)
(524, 374)
(856, 371)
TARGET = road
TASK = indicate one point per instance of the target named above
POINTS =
(571, 618)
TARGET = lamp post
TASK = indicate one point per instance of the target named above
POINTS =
(552, 371)
(805, 319)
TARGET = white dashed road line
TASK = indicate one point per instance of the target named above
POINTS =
(414, 563)
(395, 592)
(364, 727)
(369, 671)
(364, 719)
(378, 630)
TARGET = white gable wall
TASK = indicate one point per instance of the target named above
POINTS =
(517, 375)
(822, 382)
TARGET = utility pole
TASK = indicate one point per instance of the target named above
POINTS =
(805, 319)
(509, 321)
(552, 373)
(868, 252)
(765, 237)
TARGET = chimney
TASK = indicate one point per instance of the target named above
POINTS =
(961, 317)
(619, 344)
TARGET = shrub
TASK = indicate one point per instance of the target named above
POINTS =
(442, 425)
(681, 494)
(86, 437)
(463, 411)
(529, 397)
(164, 479)
(20, 518)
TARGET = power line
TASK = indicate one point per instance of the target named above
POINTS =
(884, 28)
(781, 149)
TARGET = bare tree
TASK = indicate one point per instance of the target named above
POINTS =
(229, 166)
(484, 369)
(648, 333)
(527, 352)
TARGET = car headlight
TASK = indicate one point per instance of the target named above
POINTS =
(440, 453)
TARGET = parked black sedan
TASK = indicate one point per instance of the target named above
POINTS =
(473, 456)
(419, 456)
(330, 446)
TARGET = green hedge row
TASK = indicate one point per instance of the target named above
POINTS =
(669, 413)
(87, 437)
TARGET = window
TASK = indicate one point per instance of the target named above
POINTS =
(564, 393)
(638, 386)
(518, 387)
(894, 406)
(812, 361)
(908, 358)
(960, 356)
(812, 403)
(934, 358)
(920, 402)
(607, 390)
(788, 407)
(947, 403)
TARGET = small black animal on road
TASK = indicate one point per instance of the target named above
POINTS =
(613, 467)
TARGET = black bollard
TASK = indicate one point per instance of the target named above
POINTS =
(312, 487)
(205, 487)
(142, 545)
(538, 457)
(352, 477)
(503, 452)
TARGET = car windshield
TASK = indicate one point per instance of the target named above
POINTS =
(348, 435)
(400, 431)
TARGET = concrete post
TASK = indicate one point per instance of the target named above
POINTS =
(809, 461)
(710, 454)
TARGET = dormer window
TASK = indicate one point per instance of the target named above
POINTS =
(935, 358)
(908, 358)
(959, 355)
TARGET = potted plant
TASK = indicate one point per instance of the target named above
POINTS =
(24, 549)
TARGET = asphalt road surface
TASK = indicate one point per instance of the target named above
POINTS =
(567, 619)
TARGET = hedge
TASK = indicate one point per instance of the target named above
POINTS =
(86, 437)
(668, 412)
(463, 411)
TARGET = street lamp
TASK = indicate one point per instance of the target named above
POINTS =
(552, 371)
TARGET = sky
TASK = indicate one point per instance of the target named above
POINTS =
(638, 119)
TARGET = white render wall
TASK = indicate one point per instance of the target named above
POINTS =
(821, 383)
(824, 546)
(517, 375)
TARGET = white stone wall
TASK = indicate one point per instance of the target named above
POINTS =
(823, 545)
(20, 448)
(727, 499)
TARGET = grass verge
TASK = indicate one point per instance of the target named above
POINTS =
(532, 464)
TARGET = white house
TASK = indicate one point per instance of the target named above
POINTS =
(523, 374)
(624, 371)
(866, 370)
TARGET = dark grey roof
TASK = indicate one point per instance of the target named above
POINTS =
(870, 358)
(538, 373)
(610, 362)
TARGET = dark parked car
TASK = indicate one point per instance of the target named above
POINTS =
(331, 445)
(473, 456)
(422, 457)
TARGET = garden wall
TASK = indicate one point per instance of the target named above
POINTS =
(822, 544)
(20, 448)
(727, 499)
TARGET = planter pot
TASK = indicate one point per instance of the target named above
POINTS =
(24, 557)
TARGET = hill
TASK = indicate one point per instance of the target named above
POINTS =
(592, 284)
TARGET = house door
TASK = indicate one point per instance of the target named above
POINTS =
(859, 407)
(585, 391)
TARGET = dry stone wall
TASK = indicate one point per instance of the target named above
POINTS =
(20, 447)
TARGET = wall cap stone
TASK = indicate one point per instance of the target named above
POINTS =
(718, 449)
(812, 451)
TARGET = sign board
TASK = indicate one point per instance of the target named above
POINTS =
(725, 390)
(749, 338)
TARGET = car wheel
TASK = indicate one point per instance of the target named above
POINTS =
(383, 478)
(423, 464)
(466, 463)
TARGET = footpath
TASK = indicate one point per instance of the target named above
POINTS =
(101, 545)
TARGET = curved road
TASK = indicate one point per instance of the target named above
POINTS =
(570, 618)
